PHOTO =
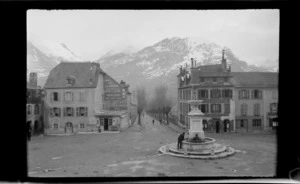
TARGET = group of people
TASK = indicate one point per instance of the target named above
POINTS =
(154, 121)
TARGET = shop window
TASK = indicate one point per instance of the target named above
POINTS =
(81, 125)
(101, 122)
(109, 121)
(256, 122)
(55, 126)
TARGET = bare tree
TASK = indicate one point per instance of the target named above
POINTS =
(141, 101)
(162, 103)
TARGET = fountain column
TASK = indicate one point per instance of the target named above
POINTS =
(196, 118)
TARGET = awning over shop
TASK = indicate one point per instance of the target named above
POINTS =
(110, 113)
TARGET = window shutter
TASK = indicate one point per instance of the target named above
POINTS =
(77, 111)
(86, 111)
(65, 109)
(260, 94)
(50, 112)
(58, 97)
(72, 111)
(51, 97)
(59, 110)
(252, 94)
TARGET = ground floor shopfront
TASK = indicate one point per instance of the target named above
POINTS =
(100, 122)
(239, 124)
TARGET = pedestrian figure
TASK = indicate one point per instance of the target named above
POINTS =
(153, 121)
(29, 130)
(180, 139)
(160, 121)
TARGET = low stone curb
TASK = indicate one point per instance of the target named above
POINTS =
(231, 151)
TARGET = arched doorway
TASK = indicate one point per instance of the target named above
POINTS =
(69, 127)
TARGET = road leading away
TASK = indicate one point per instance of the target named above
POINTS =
(133, 152)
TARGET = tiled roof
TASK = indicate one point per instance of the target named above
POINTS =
(257, 79)
(85, 74)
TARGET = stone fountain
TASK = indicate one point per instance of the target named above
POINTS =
(196, 144)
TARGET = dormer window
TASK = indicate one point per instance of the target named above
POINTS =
(70, 80)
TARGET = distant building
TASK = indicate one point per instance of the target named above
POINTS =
(232, 101)
(80, 97)
(34, 104)
(256, 100)
(214, 86)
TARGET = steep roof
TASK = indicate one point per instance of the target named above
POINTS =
(86, 75)
(255, 79)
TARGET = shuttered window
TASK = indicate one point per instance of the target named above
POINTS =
(256, 109)
(244, 109)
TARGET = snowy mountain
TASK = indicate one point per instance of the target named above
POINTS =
(42, 56)
(160, 62)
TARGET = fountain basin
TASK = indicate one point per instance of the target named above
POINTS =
(206, 146)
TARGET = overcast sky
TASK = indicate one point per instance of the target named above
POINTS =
(253, 35)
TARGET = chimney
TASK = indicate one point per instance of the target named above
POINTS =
(33, 79)
(192, 62)
(229, 68)
(195, 63)
(180, 69)
(223, 60)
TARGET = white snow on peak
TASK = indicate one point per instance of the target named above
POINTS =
(192, 42)
(51, 48)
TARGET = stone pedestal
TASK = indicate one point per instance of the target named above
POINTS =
(196, 126)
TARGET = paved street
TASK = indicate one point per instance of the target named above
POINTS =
(133, 152)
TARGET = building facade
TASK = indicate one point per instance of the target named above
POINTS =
(81, 97)
(231, 101)
(256, 99)
(34, 105)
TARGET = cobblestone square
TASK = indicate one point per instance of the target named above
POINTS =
(134, 152)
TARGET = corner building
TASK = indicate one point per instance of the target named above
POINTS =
(232, 101)
(81, 97)
(214, 85)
